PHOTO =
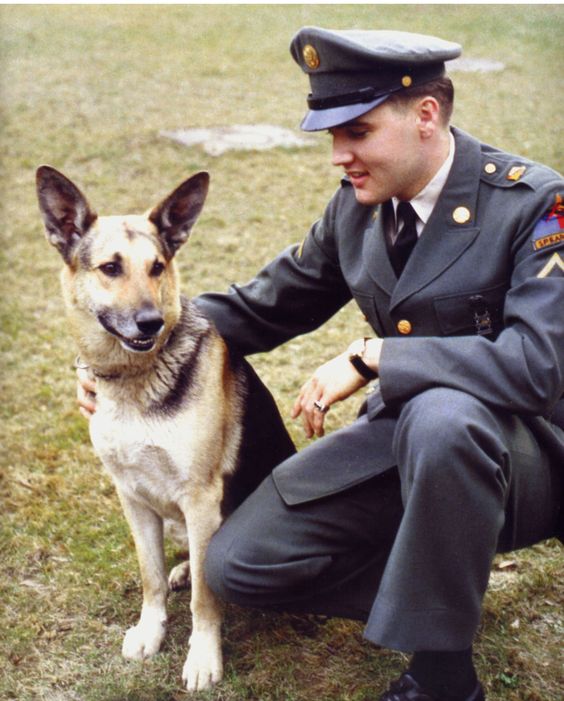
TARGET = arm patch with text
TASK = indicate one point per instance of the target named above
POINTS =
(549, 230)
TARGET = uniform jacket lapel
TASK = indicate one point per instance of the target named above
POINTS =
(377, 260)
(451, 229)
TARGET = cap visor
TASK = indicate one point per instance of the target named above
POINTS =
(316, 120)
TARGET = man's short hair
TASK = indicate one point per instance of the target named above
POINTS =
(441, 89)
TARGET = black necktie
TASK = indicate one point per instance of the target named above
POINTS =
(407, 237)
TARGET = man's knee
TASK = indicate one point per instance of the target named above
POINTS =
(258, 556)
(439, 411)
(256, 572)
(234, 561)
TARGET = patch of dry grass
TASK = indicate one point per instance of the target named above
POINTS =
(87, 89)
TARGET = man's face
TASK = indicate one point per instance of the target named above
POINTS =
(382, 153)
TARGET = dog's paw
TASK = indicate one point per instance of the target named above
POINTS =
(143, 640)
(179, 577)
(204, 664)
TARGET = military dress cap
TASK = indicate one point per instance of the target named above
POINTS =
(353, 71)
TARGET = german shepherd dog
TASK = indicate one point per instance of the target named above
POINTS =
(168, 423)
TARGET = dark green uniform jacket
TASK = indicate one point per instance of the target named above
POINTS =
(479, 306)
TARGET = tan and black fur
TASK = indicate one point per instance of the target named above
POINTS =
(169, 412)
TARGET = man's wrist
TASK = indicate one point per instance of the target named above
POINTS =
(364, 354)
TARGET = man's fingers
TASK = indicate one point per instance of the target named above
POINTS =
(297, 408)
(86, 401)
(318, 421)
(313, 416)
(85, 381)
(85, 393)
(312, 407)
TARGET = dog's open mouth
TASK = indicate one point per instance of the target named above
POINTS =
(139, 344)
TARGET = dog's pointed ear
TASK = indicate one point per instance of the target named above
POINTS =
(175, 216)
(66, 212)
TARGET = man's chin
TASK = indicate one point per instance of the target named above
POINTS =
(366, 197)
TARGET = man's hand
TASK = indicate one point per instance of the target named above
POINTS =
(332, 382)
(85, 393)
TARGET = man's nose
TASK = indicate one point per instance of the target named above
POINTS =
(341, 153)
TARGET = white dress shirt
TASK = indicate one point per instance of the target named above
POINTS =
(424, 202)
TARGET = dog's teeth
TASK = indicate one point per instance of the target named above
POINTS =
(141, 343)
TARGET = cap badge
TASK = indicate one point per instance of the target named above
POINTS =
(406, 81)
(461, 215)
(311, 57)
(516, 173)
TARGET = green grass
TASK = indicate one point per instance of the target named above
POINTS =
(87, 89)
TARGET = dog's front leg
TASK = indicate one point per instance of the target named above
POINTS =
(204, 663)
(144, 639)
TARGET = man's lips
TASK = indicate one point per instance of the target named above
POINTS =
(357, 177)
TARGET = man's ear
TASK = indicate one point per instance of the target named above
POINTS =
(175, 216)
(428, 115)
(66, 212)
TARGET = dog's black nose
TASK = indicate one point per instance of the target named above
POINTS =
(149, 321)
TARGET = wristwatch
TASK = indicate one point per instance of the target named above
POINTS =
(356, 354)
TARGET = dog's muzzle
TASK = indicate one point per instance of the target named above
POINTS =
(138, 333)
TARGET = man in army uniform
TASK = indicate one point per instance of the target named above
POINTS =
(453, 251)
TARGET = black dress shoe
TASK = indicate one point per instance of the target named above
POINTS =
(407, 689)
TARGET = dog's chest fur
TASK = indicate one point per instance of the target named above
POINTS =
(148, 457)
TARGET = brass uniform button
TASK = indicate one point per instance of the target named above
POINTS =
(490, 168)
(404, 327)
(461, 215)
(406, 81)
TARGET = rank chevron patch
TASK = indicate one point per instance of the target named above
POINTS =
(555, 263)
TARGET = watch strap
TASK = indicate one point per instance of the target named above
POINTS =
(361, 367)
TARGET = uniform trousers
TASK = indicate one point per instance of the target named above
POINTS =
(409, 549)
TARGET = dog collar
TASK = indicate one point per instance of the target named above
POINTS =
(79, 365)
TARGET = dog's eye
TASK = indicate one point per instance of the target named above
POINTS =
(157, 269)
(112, 269)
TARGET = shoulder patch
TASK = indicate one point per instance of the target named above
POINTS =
(549, 230)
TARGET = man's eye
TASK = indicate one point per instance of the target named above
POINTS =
(157, 269)
(360, 134)
(112, 269)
